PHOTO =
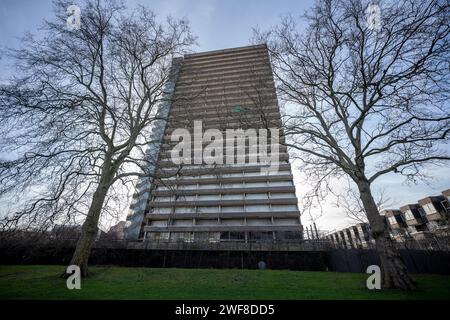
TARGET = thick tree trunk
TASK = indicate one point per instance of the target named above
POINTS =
(394, 273)
(90, 225)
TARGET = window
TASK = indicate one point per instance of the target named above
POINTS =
(433, 225)
(184, 210)
(232, 185)
(164, 199)
(209, 197)
(159, 223)
(232, 175)
(282, 195)
(409, 215)
(184, 198)
(208, 209)
(252, 174)
(255, 184)
(207, 186)
(392, 220)
(233, 209)
(257, 208)
(232, 197)
(429, 208)
(250, 196)
(283, 207)
(280, 183)
(161, 210)
(164, 235)
(188, 237)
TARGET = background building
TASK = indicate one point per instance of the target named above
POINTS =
(429, 219)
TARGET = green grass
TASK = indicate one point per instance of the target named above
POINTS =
(42, 282)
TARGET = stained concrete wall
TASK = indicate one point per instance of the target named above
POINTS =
(354, 260)
(139, 204)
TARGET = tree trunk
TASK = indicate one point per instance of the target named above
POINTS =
(90, 226)
(394, 274)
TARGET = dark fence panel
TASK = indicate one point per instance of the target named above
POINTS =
(296, 260)
(417, 261)
(340, 260)
(351, 260)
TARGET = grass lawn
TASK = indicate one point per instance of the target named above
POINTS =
(42, 282)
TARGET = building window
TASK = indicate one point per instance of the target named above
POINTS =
(409, 215)
(392, 220)
(429, 208)
(412, 229)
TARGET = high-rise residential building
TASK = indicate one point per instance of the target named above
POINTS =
(232, 94)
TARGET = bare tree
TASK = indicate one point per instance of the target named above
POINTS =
(367, 97)
(349, 200)
(76, 118)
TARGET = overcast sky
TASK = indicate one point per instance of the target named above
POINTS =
(222, 24)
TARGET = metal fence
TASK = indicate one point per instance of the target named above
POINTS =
(430, 244)
(304, 245)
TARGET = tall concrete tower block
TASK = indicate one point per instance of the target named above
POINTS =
(216, 97)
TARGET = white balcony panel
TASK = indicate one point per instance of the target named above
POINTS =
(186, 198)
(280, 183)
(232, 185)
(257, 208)
(284, 207)
(233, 209)
(161, 210)
(164, 199)
(258, 222)
(206, 222)
(282, 195)
(159, 223)
(182, 223)
(185, 210)
(208, 186)
(256, 184)
(285, 221)
(232, 222)
(251, 196)
(208, 209)
(208, 197)
(232, 197)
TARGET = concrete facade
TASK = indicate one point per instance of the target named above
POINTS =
(197, 202)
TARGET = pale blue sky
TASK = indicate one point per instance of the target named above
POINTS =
(217, 23)
(220, 24)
